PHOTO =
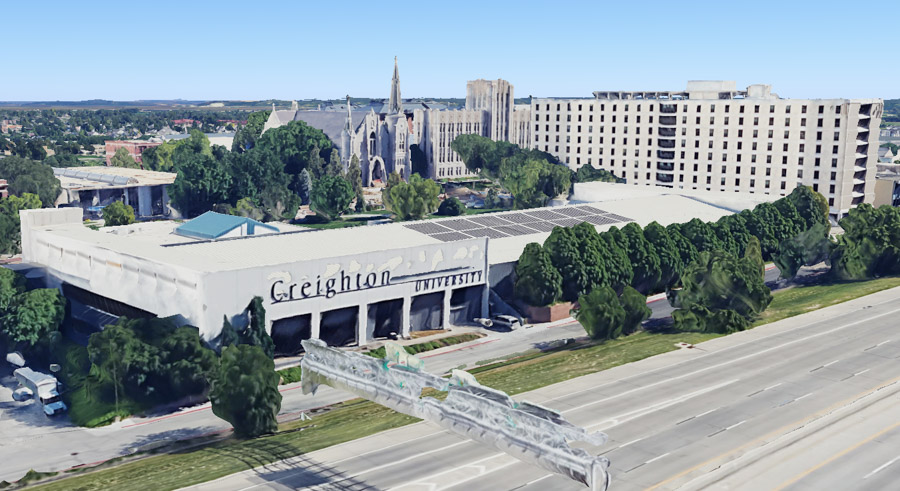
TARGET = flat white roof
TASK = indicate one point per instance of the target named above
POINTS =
(156, 241)
(101, 176)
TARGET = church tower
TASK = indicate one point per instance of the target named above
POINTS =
(395, 105)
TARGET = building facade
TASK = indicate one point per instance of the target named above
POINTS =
(380, 135)
(714, 137)
(134, 148)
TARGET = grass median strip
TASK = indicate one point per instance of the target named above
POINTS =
(358, 418)
(800, 300)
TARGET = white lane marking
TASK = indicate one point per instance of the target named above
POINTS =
(707, 412)
(735, 425)
(629, 443)
(860, 373)
(803, 397)
(654, 459)
(883, 342)
(832, 363)
(882, 467)
(529, 483)
(729, 362)
(773, 386)
(426, 481)
(626, 417)
(382, 449)
(728, 348)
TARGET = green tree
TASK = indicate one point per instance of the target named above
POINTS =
(719, 282)
(451, 207)
(636, 311)
(809, 247)
(578, 276)
(600, 313)
(619, 271)
(316, 163)
(810, 205)
(331, 197)
(588, 173)
(188, 363)
(538, 283)
(305, 185)
(123, 159)
(246, 136)
(255, 334)
(118, 213)
(34, 316)
(247, 207)
(245, 391)
(418, 160)
(392, 180)
(870, 244)
(670, 264)
(10, 230)
(28, 176)
(416, 199)
(201, 182)
(12, 284)
(644, 260)
(334, 167)
(354, 175)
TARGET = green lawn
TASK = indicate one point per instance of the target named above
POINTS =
(358, 418)
(800, 300)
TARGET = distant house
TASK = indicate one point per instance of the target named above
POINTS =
(885, 156)
(4, 191)
(134, 147)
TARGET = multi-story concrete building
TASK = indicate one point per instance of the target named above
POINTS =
(714, 137)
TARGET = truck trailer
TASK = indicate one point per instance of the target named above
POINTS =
(44, 387)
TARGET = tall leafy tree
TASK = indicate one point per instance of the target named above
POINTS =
(538, 283)
(809, 247)
(719, 288)
(10, 229)
(870, 244)
(415, 199)
(245, 391)
(188, 363)
(392, 180)
(331, 197)
(810, 205)
(246, 136)
(616, 263)
(569, 261)
(644, 260)
(600, 313)
(670, 264)
(33, 316)
(201, 183)
(29, 176)
(255, 334)
(334, 167)
(12, 284)
(636, 311)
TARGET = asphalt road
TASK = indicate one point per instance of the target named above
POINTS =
(28, 440)
(810, 402)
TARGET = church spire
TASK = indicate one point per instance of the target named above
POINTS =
(349, 124)
(395, 105)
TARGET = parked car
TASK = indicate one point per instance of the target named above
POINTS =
(506, 321)
(44, 387)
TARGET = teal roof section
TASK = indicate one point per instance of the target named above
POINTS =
(212, 225)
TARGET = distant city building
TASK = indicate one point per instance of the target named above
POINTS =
(134, 147)
(380, 135)
(885, 155)
(187, 122)
(714, 137)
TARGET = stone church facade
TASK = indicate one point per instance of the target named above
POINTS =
(380, 135)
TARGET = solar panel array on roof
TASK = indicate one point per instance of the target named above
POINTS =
(515, 224)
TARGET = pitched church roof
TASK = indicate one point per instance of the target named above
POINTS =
(331, 122)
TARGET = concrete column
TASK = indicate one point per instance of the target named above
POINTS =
(165, 200)
(315, 319)
(405, 315)
(486, 301)
(445, 313)
(362, 321)
(144, 204)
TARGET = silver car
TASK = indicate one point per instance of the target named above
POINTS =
(506, 321)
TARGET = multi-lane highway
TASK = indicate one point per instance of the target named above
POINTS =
(31, 441)
(806, 403)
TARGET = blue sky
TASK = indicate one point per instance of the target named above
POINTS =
(315, 49)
